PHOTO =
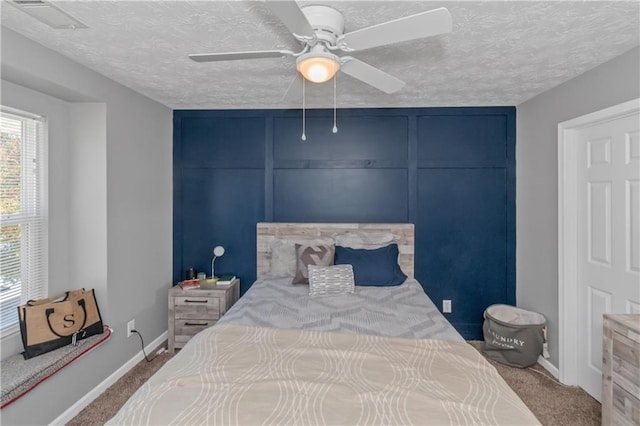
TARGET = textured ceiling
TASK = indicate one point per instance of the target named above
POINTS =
(499, 53)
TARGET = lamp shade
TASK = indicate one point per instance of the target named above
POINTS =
(318, 67)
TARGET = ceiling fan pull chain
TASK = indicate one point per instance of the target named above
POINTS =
(335, 127)
(304, 136)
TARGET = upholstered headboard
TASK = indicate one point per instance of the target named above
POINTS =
(269, 231)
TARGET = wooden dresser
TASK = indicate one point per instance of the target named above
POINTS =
(621, 370)
(193, 310)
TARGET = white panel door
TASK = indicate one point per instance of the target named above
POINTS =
(608, 235)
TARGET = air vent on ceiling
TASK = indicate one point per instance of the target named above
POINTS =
(49, 14)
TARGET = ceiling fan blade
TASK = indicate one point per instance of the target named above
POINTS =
(294, 91)
(370, 75)
(425, 24)
(232, 56)
(291, 16)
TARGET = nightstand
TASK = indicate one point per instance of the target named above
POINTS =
(193, 310)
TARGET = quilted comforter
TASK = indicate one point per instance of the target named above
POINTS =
(234, 374)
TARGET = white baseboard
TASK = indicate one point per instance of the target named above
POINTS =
(552, 369)
(73, 411)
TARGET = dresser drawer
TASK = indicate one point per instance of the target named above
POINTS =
(626, 407)
(626, 363)
(197, 307)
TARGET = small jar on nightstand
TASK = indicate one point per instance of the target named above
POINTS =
(193, 310)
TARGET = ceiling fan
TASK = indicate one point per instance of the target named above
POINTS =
(320, 30)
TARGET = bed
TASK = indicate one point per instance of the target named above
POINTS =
(369, 355)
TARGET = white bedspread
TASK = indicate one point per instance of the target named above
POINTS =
(402, 311)
(231, 374)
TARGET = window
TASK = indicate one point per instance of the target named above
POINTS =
(23, 254)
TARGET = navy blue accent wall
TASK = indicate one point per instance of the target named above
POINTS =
(450, 171)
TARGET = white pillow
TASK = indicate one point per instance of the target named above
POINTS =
(329, 280)
(364, 240)
(283, 255)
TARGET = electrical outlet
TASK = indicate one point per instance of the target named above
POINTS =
(446, 306)
(131, 325)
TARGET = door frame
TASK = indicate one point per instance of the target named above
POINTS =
(568, 232)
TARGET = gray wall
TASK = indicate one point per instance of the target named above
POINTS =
(609, 84)
(110, 209)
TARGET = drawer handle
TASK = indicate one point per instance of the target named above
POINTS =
(196, 301)
(196, 323)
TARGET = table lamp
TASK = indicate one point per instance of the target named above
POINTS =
(217, 252)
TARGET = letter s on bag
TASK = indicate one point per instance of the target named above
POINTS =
(69, 318)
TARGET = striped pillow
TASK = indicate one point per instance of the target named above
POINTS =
(328, 280)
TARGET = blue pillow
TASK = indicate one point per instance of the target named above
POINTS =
(377, 267)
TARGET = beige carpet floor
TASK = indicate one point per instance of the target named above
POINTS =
(551, 402)
(107, 405)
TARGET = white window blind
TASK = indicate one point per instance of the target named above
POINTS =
(23, 259)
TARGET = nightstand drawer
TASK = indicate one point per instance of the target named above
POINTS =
(191, 327)
(197, 307)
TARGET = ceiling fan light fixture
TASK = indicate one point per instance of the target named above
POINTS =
(320, 29)
(317, 67)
